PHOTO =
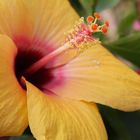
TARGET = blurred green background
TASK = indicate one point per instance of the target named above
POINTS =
(123, 40)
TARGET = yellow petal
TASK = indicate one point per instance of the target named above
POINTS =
(14, 20)
(54, 118)
(13, 111)
(98, 76)
(51, 19)
(24, 20)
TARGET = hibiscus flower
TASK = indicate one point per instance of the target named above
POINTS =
(51, 81)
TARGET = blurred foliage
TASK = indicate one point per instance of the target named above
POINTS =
(128, 47)
(22, 138)
(121, 125)
(87, 7)
(125, 25)
(104, 4)
(114, 124)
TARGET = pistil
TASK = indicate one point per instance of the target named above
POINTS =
(42, 62)
(81, 34)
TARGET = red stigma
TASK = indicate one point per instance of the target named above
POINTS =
(97, 15)
(107, 23)
(104, 29)
(94, 27)
(90, 19)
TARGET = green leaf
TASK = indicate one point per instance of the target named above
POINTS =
(125, 25)
(132, 122)
(27, 131)
(88, 5)
(105, 4)
(127, 47)
(78, 7)
(114, 124)
(22, 138)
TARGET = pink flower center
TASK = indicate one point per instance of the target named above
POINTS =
(33, 57)
(27, 55)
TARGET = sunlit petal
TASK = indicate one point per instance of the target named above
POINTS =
(54, 118)
(50, 26)
(14, 20)
(13, 112)
(96, 75)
